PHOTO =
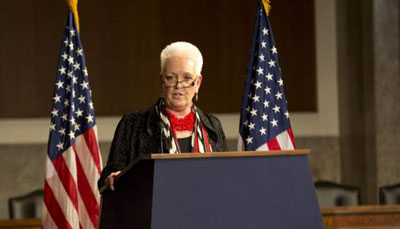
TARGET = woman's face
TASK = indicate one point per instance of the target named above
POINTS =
(177, 97)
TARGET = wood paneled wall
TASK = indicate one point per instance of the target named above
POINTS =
(122, 41)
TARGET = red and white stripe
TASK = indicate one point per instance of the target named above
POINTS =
(71, 198)
(283, 141)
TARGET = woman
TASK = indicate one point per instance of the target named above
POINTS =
(174, 124)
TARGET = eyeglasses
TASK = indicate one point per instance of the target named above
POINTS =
(171, 81)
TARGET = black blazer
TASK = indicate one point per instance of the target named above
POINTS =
(140, 133)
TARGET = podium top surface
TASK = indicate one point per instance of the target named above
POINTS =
(231, 154)
(226, 154)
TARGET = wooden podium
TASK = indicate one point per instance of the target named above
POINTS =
(215, 190)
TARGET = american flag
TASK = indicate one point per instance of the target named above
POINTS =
(264, 119)
(73, 162)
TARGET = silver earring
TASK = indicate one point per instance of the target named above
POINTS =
(196, 97)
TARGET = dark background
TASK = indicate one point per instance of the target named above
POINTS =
(122, 41)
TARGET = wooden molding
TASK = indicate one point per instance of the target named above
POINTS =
(377, 216)
(382, 216)
(365, 209)
(21, 223)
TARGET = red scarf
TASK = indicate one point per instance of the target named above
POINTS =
(181, 124)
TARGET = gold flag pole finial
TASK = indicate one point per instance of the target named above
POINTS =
(267, 6)
(73, 5)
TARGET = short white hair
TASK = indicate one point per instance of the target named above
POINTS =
(182, 49)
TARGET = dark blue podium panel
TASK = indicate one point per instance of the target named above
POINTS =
(129, 206)
(243, 192)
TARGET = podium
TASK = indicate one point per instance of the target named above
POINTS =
(215, 190)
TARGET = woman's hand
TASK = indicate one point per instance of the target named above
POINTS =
(110, 180)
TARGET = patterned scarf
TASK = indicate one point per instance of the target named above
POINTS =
(199, 141)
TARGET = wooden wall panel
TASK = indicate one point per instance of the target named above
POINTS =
(122, 42)
(293, 25)
(222, 30)
(28, 56)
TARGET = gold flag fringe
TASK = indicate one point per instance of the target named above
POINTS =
(267, 6)
(73, 5)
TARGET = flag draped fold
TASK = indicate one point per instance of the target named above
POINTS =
(264, 118)
(73, 160)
